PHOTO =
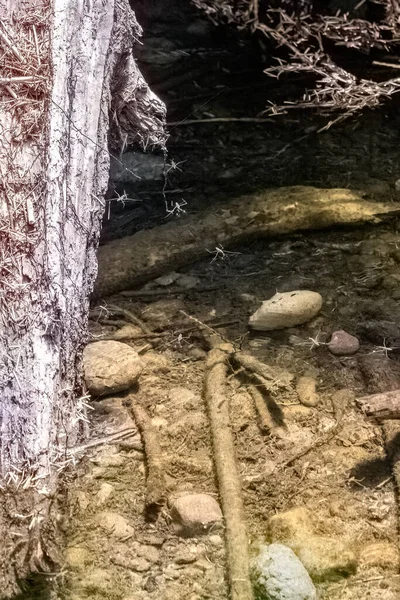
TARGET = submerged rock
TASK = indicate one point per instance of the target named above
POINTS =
(343, 344)
(278, 574)
(286, 309)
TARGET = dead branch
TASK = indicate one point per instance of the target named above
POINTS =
(155, 483)
(227, 473)
(385, 405)
(380, 378)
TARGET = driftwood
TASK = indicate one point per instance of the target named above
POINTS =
(227, 473)
(127, 262)
(385, 405)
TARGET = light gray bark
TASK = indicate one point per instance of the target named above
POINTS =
(54, 164)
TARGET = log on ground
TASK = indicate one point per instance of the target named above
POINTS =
(131, 261)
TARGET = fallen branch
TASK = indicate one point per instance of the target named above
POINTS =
(227, 473)
(133, 260)
(385, 405)
(155, 483)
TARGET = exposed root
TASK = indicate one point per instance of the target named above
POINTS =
(268, 412)
(227, 473)
(272, 377)
(129, 316)
(155, 484)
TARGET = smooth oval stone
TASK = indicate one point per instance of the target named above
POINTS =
(286, 309)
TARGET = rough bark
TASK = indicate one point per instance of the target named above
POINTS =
(133, 260)
(54, 166)
(385, 405)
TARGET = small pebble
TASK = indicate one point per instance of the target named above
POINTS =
(168, 279)
(105, 492)
(343, 344)
(150, 553)
(216, 541)
(187, 555)
(171, 572)
(139, 564)
(285, 310)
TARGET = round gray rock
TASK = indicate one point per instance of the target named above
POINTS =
(286, 309)
(343, 344)
(110, 367)
(278, 574)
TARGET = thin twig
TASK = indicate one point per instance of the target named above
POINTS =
(220, 120)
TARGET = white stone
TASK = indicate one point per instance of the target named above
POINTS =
(279, 575)
(286, 309)
(110, 367)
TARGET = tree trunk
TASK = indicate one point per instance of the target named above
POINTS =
(65, 68)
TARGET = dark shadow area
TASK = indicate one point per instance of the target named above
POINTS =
(37, 587)
(372, 473)
(205, 72)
